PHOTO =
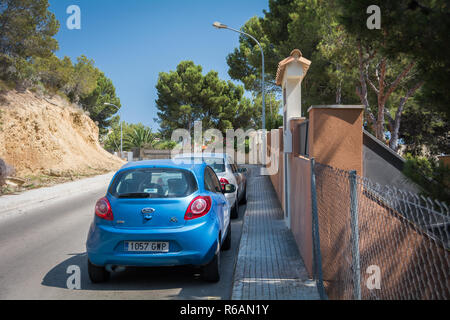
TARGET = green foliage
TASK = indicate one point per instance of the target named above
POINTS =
(329, 33)
(273, 119)
(425, 132)
(433, 178)
(134, 136)
(186, 95)
(139, 137)
(27, 29)
(287, 25)
(165, 145)
(53, 72)
(111, 140)
(83, 80)
(94, 103)
(418, 29)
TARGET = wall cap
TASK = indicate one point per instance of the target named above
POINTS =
(297, 56)
(336, 106)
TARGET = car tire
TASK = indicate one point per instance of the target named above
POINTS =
(97, 274)
(226, 245)
(244, 197)
(211, 271)
(234, 214)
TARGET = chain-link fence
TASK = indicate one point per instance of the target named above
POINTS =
(378, 242)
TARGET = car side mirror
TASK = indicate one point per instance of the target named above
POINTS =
(229, 188)
(242, 170)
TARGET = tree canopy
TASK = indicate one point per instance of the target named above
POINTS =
(388, 71)
(185, 95)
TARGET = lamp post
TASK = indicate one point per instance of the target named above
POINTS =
(219, 25)
(121, 132)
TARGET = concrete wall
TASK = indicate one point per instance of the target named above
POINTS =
(149, 154)
(301, 214)
(384, 166)
(335, 136)
(277, 179)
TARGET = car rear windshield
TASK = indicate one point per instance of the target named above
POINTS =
(217, 164)
(153, 183)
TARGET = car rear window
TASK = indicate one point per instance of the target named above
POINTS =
(217, 164)
(153, 183)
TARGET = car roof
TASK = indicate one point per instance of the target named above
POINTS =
(203, 155)
(196, 168)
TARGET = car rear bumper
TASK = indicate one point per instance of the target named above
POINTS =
(189, 245)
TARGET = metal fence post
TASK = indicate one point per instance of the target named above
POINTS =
(356, 265)
(316, 235)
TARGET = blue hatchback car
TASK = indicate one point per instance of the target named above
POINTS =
(160, 213)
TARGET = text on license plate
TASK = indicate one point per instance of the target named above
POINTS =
(146, 246)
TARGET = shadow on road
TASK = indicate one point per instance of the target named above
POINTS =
(130, 279)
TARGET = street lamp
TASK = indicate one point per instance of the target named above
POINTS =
(121, 132)
(219, 25)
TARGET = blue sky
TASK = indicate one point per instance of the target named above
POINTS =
(133, 40)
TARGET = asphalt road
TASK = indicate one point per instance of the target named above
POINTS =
(37, 246)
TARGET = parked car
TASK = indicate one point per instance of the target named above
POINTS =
(158, 213)
(228, 173)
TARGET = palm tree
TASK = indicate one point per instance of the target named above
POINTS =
(140, 137)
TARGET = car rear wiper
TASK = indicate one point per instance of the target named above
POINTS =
(135, 195)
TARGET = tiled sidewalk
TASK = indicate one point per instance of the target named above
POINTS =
(269, 265)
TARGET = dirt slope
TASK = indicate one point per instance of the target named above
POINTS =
(50, 136)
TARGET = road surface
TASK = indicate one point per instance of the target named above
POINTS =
(38, 245)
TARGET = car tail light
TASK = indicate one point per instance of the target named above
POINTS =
(198, 207)
(223, 182)
(103, 209)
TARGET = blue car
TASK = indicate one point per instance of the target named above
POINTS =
(159, 213)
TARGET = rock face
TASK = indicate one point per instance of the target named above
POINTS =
(38, 135)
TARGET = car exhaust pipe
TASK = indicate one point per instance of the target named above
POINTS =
(112, 268)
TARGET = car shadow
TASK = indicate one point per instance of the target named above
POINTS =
(132, 278)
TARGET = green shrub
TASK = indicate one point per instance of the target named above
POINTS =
(165, 145)
(432, 178)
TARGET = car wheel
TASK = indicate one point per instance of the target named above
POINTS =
(97, 274)
(226, 245)
(211, 272)
(244, 197)
(235, 210)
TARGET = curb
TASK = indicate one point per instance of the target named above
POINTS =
(236, 292)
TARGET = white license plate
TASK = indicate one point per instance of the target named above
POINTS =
(146, 246)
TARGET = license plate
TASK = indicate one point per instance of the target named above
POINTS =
(146, 246)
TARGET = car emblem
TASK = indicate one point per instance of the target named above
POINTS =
(173, 219)
(147, 213)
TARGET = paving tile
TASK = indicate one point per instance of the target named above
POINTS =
(269, 266)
